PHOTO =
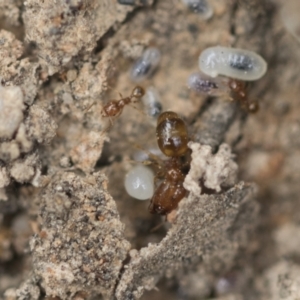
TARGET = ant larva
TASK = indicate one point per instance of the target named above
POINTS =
(172, 138)
(115, 107)
(152, 104)
(144, 67)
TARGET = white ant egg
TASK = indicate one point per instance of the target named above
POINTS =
(235, 63)
(139, 182)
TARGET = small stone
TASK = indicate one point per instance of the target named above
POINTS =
(11, 110)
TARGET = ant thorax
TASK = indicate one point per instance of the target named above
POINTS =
(174, 174)
(111, 109)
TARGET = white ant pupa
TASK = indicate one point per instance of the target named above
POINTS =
(145, 65)
(235, 63)
(152, 104)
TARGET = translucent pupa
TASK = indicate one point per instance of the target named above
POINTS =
(145, 65)
(172, 139)
(201, 7)
(235, 63)
(152, 104)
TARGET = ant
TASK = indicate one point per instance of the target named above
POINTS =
(239, 93)
(172, 138)
(237, 89)
(115, 107)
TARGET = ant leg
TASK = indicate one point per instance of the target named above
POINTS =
(144, 162)
(140, 111)
(88, 108)
(158, 177)
(156, 160)
(111, 123)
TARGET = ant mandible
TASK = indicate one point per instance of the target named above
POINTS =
(172, 138)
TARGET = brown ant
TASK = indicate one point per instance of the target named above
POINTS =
(115, 107)
(239, 93)
(172, 139)
(220, 86)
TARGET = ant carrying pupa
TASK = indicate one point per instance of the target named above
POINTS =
(237, 65)
(172, 138)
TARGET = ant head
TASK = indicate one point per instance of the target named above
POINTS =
(138, 92)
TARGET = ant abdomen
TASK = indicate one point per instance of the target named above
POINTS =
(172, 134)
(169, 193)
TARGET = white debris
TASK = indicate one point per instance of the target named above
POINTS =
(214, 170)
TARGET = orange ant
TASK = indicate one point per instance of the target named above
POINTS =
(172, 139)
(115, 107)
